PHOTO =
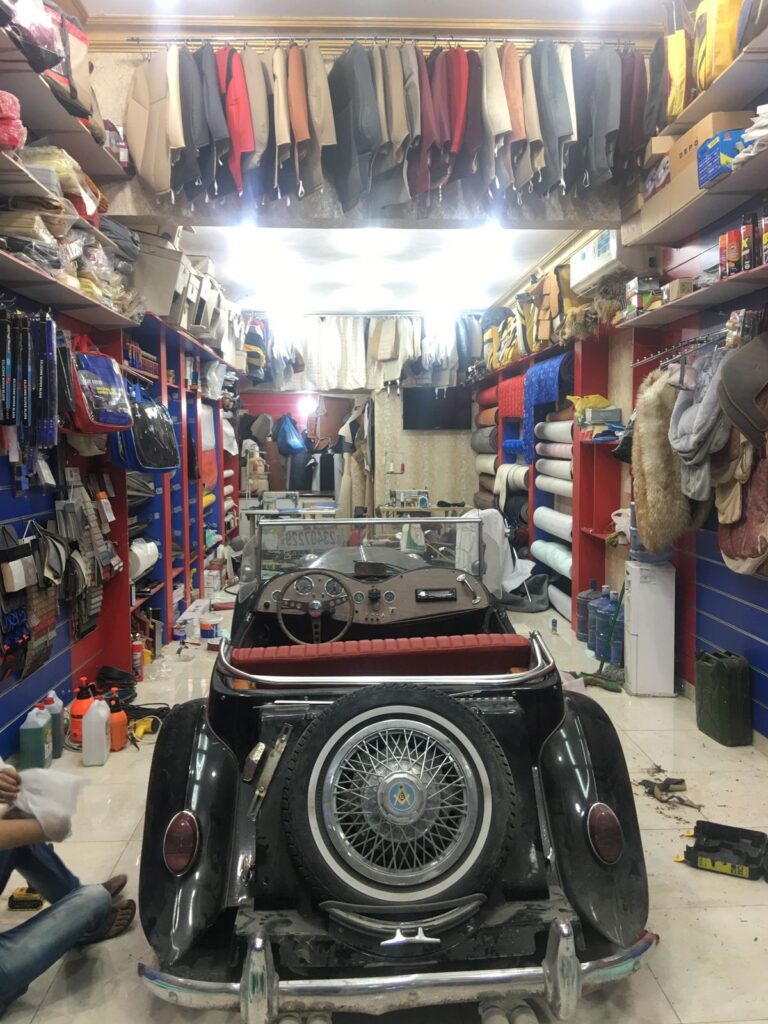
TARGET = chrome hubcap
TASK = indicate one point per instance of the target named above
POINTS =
(400, 802)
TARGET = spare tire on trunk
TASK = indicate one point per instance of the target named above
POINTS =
(395, 794)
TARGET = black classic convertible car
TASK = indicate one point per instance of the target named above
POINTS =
(387, 801)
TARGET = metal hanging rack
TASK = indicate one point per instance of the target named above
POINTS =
(453, 39)
(672, 352)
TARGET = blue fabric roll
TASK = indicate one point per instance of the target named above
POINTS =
(545, 383)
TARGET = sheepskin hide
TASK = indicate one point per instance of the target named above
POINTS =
(663, 511)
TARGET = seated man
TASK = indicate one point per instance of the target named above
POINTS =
(78, 913)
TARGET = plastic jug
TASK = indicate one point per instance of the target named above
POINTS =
(592, 618)
(606, 609)
(97, 738)
(617, 643)
(54, 705)
(582, 609)
(36, 739)
(79, 709)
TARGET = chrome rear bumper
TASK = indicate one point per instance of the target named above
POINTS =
(262, 996)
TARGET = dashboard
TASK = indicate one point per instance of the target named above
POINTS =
(418, 594)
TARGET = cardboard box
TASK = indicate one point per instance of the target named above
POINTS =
(161, 275)
(676, 289)
(657, 147)
(660, 207)
(714, 159)
(684, 150)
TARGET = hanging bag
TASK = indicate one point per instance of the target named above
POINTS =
(70, 80)
(101, 402)
(753, 20)
(150, 445)
(715, 32)
(287, 436)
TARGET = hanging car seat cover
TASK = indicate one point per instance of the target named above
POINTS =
(744, 378)
(101, 402)
(151, 444)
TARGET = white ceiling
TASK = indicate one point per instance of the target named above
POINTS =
(613, 12)
(289, 271)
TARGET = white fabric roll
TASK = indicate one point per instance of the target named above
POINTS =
(552, 485)
(229, 489)
(228, 474)
(228, 504)
(553, 450)
(556, 556)
(486, 464)
(560, 468)
(510, 477)
(142, 555)
(556, 523)
(560, 602)
(561, 430)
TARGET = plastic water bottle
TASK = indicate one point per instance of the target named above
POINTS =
(617, 644)
(54, 705)
(96, 733)
(36, 739)
(582, 609)
(592, 618)
(605, 611)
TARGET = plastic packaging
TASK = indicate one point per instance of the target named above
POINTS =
(51, 799)
(97, 740)
(592, 618)
(617, 643)
(54, 705)
(36, 739)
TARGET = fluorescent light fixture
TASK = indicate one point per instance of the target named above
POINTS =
(307, 405)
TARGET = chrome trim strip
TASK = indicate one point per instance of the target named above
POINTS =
(544, 663)
(559, 979)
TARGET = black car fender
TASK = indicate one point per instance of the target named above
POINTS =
(191, 770)
(581, 764)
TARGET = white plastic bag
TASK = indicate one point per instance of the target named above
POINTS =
(50, 798)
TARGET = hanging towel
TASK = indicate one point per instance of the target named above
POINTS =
(558, 468)
(551, 521)
(486, 464)
(560, 601)
(550, 450)
(487, 417)
(551, 485)
(560, 431)
(544, 384)
(488, 397)
(485, 441)
(556, 556)
(512, 398)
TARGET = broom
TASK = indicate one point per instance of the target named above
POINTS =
(610, 678)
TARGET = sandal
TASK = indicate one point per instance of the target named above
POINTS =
(115, 885)
(119, 921)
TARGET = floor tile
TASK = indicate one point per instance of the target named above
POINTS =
(109, 812)
(24, 1009)
(91, 862)
(678, 885)
(637, 1000)
(711, 962)
(679, 751)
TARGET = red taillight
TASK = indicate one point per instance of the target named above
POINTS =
(182, 838)
(605, 835)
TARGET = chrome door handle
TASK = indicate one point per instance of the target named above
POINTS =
(465, 580)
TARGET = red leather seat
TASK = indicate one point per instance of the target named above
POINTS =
(484, 654)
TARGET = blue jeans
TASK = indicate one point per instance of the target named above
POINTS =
(77, 914)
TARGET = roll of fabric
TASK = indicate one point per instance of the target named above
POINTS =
(555, 467)
(551, 521)
(552, 485)
(208, 499)
(545, 384)
(488, 397)
(553, 554)
(228, 490)
(486, 482)
(487, 417)
(560, 601)
(516, 509)
(484, 500)
(228, 474)
(229, 504)
(509, 478)
(485, 440)
(553, 450)
(142, 555)
(486, 464)
(560, 431)
(511, 398)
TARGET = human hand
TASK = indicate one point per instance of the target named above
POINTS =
(10, 782)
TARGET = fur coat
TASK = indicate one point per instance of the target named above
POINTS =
(663, 511)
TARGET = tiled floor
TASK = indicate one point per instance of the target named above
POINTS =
(711, 962)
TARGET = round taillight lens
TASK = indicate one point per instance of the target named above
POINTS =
(182, 838)
(605, 835)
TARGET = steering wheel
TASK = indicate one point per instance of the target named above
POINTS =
(315, 606)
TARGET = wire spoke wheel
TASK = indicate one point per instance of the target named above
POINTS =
(400, 802)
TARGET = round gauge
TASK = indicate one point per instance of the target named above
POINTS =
(304, 585)
(389, 596)
(276, 596)
(359, 597)
(333, 588)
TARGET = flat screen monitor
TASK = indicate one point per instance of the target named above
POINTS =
(450, 409)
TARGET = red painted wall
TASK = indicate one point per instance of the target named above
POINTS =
(275, 404)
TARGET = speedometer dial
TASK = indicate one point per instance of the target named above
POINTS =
(304, 585)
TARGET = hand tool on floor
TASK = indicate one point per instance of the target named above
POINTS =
(25, 899)
(667, 791)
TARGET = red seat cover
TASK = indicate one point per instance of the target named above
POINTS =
(483, 654)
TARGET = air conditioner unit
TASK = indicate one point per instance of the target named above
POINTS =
(605, 255)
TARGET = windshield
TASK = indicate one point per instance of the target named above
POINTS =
(361, 548)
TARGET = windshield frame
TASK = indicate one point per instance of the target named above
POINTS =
(392, 522)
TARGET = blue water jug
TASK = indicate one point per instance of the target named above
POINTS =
(606, 610)
(617, 643)
(592, 617)
(582, 609)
